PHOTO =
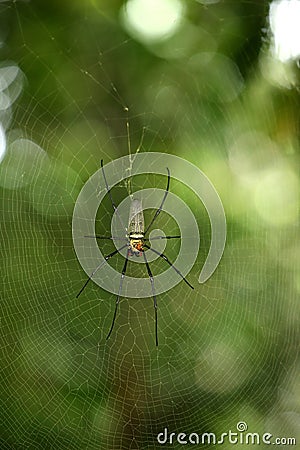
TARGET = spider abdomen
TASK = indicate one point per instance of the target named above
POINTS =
(136, 224)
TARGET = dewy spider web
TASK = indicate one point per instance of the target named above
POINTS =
(227, 348)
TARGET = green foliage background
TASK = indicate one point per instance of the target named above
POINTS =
(229, 350)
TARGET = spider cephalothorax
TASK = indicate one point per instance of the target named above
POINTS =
(136, 244)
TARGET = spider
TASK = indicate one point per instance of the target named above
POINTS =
(136, 244)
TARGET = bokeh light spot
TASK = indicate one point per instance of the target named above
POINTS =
(285, 25)
(22, 161)
(152, 20)
(2, 143)
(7, 75)
(277, 197)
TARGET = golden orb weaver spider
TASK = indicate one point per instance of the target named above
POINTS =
(136, 245)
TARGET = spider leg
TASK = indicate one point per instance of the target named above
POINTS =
(163, 237)
(118, 296)
(153, 295)
(119, 238)
(110, 196)
(99, 267)
(170, 264)
(157, 212)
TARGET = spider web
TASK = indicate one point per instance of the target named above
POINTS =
(227, 349)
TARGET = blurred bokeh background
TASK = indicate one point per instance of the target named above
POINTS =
(217, 83)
